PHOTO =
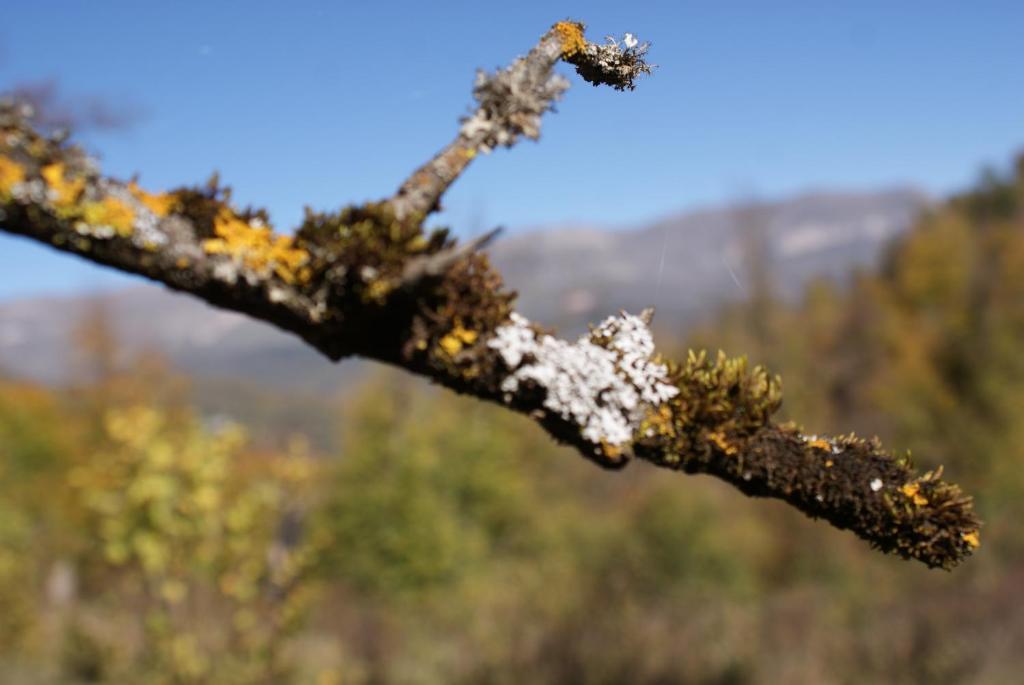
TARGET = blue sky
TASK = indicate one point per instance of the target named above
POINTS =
(325, 103)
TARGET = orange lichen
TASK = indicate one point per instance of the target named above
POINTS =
(658, 422)
(821, 444)
(258, 248)
(610, 451)
(67, 191)
(913, 492)
(110, 212)
(11, 173)
(160, 204)
(570, 35)
(720, 441)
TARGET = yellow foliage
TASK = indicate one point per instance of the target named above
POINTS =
(174, 509)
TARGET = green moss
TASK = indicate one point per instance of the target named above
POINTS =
(717, 398)
(363, 249)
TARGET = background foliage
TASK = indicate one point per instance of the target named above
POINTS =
(449, 542)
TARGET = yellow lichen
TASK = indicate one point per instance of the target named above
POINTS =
(258, 248)
(972, 539)
(821, 444)
(11, 173)
(459, 337)
(720, 441)
(913, 492)
(570, 35)
(110, 212)
(160, 204)
(658, 422)
(378, 290)
(610, 451)
(67, 191)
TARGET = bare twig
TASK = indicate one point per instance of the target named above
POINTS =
(437, 264)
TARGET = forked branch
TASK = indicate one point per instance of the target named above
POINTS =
(371, 281)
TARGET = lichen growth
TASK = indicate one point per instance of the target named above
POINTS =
(613, 64)
(912, 491)
(510, 104)
(363, 249)
(44, 174)
(161, 204)
(455, 340)
(604, 383)
(721, 396)
(11, 174)
(257, 247)
(65, 192)
(570, 35)
(109, 212)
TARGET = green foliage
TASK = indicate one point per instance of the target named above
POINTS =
(425, 495)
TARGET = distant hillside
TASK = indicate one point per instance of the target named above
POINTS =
(688, 264)
(566, 277)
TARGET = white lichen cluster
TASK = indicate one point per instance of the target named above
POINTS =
(511, 104)
(604, 382)
(32, 191)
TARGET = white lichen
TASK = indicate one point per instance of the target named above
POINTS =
(603, 382)
(226, 271)
(511, 103)
(33, 191)
(876, 485)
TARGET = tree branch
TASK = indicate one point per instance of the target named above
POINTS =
(511, 102)
(371, 281)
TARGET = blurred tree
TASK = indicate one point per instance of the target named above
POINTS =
(207, 546)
